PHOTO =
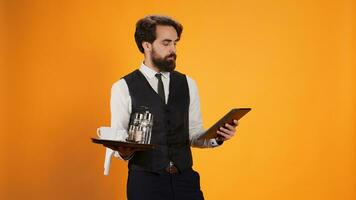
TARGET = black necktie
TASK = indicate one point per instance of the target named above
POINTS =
(160, 87)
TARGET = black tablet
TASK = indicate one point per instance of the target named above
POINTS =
(234, 114)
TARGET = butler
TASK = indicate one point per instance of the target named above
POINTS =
(172, 97)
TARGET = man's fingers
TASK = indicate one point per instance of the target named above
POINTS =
(230, 127)
(227, 131)
(236, 122)
(226, 136)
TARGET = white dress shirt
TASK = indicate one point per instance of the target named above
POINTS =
(120, 104)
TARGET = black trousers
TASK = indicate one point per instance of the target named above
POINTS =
(142, 185)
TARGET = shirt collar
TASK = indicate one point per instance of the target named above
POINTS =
(150, 73)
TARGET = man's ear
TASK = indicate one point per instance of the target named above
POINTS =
(147, 46)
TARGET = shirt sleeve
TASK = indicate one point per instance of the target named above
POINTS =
(195, 120)
(120, 107)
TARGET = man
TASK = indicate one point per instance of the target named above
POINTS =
(172, 97)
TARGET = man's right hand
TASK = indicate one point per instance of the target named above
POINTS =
(125, 152)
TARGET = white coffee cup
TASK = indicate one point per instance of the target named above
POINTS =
(107, 133)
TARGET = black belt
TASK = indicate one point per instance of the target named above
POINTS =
(170, 169)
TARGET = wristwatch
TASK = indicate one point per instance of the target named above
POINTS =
(219, 140)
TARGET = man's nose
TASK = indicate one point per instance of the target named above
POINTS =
(173, 48)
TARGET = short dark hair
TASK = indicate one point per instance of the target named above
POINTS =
(146, 28)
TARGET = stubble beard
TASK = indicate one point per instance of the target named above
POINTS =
(166, 64)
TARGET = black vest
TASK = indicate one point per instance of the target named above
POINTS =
(170, 131)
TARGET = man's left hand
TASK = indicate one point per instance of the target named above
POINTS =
(227, 132)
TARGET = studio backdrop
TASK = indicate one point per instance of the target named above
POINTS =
(293, 62)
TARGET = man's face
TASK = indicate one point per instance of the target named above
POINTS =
(163, 53)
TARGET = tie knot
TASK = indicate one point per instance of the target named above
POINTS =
(159, 76)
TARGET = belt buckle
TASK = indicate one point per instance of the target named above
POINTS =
(171, 169)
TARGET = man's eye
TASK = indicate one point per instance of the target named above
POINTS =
(165, 43)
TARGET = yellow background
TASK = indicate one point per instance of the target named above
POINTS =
(293, 62)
